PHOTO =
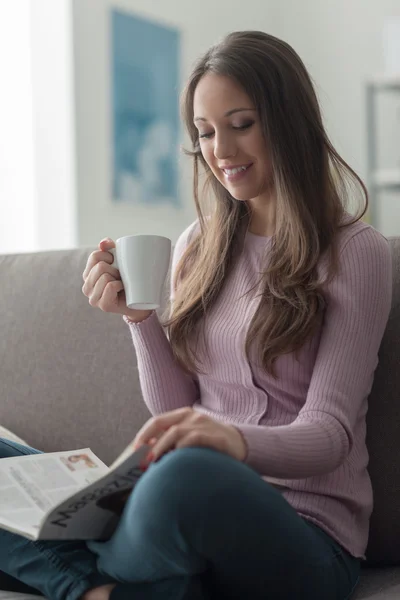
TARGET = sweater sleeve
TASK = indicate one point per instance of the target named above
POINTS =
(358, 305)
(165, 385)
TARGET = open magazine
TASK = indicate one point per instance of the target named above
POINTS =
(66, 495)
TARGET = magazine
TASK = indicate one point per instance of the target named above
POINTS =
(66, 495)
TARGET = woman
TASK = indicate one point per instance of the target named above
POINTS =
(257, 485)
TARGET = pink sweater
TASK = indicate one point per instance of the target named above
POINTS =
(306, 430)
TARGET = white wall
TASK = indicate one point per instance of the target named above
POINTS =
(341, 43)
(17, 210)
(339, 40)
(45, 203)
(201, 23)
(37, 150)
(54, 123)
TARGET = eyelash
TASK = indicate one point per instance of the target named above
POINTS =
(242, 128)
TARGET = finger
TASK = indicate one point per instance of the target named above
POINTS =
(155, 426)
(94, 258)
(168, 441)
(109, 299)
(106, 244)
(200, 438)
(145, 462)
(98, 288)
(184, 436)
(99, 269)
(152, 442)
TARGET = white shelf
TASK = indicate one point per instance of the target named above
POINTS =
(386, 178)
(385, 81)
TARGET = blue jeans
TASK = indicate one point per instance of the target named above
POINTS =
(198, 526)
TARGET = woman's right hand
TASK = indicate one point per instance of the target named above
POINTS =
(103, 285)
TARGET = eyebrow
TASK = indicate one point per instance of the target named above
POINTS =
(227, 114)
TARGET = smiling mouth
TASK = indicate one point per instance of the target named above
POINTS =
(235, 170)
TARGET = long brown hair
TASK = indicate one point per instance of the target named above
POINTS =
(312, 185)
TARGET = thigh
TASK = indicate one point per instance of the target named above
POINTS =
(200, 512)
(254, 541)
(9, 449)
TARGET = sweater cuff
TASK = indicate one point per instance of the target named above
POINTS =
(255, 447)
(146, 329)
(140, 324)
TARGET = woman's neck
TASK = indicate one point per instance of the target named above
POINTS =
(263, 214)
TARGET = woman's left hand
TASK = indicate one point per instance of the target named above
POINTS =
(183, 428)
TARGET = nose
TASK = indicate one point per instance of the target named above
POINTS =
(224, 146)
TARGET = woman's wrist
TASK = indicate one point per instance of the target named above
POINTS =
(241, 447)
(138, 319)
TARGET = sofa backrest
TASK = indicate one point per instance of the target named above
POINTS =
(68, 377)
(383, 435)
(68, 374)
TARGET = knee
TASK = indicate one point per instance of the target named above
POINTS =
(188, 470)
(8, 449)
(181, 482)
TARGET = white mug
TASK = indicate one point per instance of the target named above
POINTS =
(143, 262)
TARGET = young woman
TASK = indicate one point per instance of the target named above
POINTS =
(257, 485)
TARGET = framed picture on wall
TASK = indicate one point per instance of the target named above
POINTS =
(145, 111)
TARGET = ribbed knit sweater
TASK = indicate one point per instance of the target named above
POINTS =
(306, 429)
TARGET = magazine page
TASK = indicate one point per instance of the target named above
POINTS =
(93, 513)
(32, 485)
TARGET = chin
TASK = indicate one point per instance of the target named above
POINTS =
(241, 195)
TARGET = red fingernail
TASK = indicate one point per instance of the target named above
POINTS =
(150, 457)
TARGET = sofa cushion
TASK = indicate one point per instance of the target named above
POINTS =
(378, 584)
(16, 592)
(17, 596)
(383, 436)
(9, 435)
(69, 376)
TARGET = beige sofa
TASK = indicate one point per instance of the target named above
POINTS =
(68, 379)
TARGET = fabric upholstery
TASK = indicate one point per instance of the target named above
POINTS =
(17, 596)
(375, 584)
(378, 584)
(68, 379)
(68, 373)
(9, 435)
(383, 436)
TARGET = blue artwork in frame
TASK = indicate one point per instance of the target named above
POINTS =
(145, 110)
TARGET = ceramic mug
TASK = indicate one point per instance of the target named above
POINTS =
(143, 262)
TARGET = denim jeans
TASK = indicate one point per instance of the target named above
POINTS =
(199, 525)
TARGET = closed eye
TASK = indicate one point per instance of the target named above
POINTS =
(207, 136)
(245, 126)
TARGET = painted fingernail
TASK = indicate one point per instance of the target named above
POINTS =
(150, 457)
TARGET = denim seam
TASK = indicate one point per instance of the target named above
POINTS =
(353, 588)
(57, 561)
(328, 561)
(78, 590)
